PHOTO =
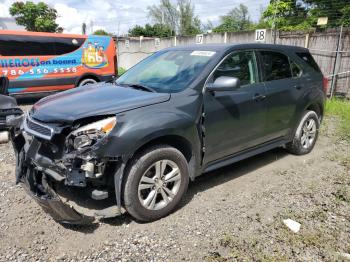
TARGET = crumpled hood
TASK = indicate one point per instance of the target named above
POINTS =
(92, 100)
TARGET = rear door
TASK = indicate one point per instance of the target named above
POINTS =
(235, 120)
(283, 88)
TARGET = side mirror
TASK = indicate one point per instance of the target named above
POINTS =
(224, 83)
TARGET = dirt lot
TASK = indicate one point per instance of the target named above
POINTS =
(234, 213)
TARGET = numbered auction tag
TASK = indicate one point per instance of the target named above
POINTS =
(199, 39)
(203, 53)
(260, 35)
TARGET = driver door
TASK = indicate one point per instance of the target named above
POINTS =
(235, 120)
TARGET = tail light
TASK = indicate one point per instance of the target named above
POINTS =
(325, 85)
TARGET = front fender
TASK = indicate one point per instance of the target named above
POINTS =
(136, 130)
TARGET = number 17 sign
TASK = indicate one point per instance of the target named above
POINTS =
(260, 35)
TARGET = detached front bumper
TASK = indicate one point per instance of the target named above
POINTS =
(52, 204)
(38, 184)
(54, 190)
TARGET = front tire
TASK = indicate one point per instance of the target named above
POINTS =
(155, 183)
(306, 134)
(87, 81)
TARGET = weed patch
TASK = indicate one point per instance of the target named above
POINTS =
(341, 109)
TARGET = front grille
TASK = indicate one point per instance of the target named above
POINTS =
(38, 129)
(2, 120)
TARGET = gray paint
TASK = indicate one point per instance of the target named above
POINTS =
(218, 129)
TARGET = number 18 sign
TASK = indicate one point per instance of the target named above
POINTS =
(260, 35)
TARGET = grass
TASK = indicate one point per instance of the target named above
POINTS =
(343, 194)
(121, 71)
(275, 242)
(340, 108)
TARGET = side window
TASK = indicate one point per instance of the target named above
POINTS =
(307, 57)
(296, 70)
(275, 66)
(12, 45)
(67, 45)
(241, 65)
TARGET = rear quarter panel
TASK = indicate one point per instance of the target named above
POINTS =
(313, 94)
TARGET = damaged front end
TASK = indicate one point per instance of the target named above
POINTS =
(61, 166)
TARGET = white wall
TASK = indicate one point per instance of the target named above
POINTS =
(138, 50)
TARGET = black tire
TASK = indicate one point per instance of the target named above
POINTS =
(296, 146)
(87, 81)
(136, 170)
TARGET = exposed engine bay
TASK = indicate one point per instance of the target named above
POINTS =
(60, 166)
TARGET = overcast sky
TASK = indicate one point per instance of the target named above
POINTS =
(114, 15)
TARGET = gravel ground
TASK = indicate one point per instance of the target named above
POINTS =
(231, 214)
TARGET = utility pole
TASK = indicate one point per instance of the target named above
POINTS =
(83, 29)
(274, 22)
(92, 26)
(336, 62)
(118, 32)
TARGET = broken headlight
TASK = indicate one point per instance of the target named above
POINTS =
(89, 134)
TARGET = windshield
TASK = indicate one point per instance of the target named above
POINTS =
(168, 71)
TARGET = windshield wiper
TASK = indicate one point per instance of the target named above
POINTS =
(140, 87)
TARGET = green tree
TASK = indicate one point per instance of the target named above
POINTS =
(236, 20)
(287, 15)
(179, 17)
(337, 11)
(137, 30)
(156, 30)
(101, 32)
(35, 17)
(303, 14)
(208, 26)
(160, 30)
(189, 24)
(345, 19)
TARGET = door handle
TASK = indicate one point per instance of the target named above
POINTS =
(298, 87)
(258, 97)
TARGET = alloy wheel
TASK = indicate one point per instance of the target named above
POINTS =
(308, 134)
(159, 184)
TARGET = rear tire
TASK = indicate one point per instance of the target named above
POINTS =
(155, 183)
(87, 81)
(305, 135)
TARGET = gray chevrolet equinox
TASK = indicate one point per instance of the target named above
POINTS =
(135, 143)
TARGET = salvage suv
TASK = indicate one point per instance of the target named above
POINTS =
(135, 144)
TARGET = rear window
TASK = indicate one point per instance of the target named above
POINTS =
(307, 57)
(275, 66)
(12, 45)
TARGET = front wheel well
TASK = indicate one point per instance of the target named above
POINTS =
(178, 142)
